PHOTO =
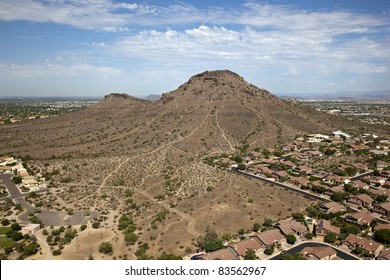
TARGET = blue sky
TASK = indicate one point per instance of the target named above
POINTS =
(94, 47)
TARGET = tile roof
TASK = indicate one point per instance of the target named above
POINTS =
(319, 253)
(242, 246)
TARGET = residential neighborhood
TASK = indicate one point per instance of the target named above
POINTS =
(24, 178)
(349, 176)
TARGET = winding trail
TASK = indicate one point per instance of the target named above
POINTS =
(46, 255)
(222, 130)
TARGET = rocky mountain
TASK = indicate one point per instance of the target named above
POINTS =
(214, 111)
(145, 159)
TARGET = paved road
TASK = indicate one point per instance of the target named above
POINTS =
(55, 218)
(341, 254)
(12, 189)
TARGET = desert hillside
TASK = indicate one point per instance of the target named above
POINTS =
(144, 159)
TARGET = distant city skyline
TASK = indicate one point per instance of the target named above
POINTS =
(90, 48)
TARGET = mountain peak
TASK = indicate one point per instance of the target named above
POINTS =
(117, 95)
(217, 77)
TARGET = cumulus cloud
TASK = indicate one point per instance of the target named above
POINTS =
(55, 69)
(258, 39)
(120, 16)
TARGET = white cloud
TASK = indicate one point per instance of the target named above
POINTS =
(274, 42)
(55, 69)
(107, 15)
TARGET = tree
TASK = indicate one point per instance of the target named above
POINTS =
(291, 238)
(241, 166)
(295, 256)
(106, 248)
(299, 217)
(16, 236)
(165, 256)
(16, 227)
(124, 221)
(313, 212)
(309, 235)
(130, 238)
(330, 238)
(96, 224)
(238, 159)
(329, 152)
(358, 250)
(347, 229)
(5, 222)
(83, 227)
(256, 227)
(383, 236)
(269, 250)
(268, 222)
(381, 198)
(210, 242)
(17, 180)
(250, 255)
(31, 249)
(339, 196)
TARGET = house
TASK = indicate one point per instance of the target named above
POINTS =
(306, 169)
(264, 171)
(288, 163)
(324, 227)
(377, 181)
(280, 175)
(7, 160)
(360, 218)
(359, 166)
(357, 147)
(379, 152)
(383, 209)
(379, 191)
(362, 200)
(333, 179)
(360, 185)
(29, 181)
(243, 246)
(270, 237)
(320, 174)
(385, 174)
(299, 181)
(292, 227)
(30, 229)
(315, 154)
(332, 207)
(336, 140)
(380, 165)
(301, 170)
(6, 169)
(222, 254)
(341, 134)
(352, 241)
(317, 138)
(319, 253)
(332, 190)
(382, 226)
(384, 255)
